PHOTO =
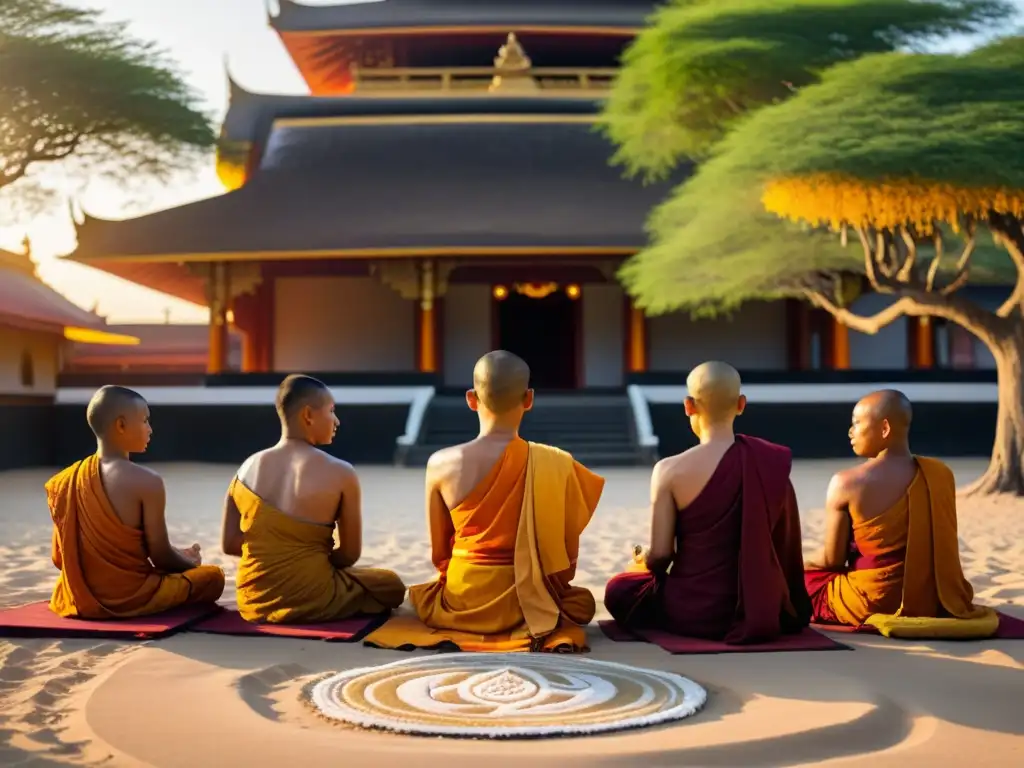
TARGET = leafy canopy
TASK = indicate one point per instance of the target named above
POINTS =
(75, 87)
(702, 64)
(938, 118)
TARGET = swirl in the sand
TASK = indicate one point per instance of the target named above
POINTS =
(505, 696)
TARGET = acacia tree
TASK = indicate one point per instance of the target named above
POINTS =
(913, 156)
(73, 87)
(701, 65)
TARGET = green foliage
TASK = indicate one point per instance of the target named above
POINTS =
(941, 118)
(703, 64)
(74, 88)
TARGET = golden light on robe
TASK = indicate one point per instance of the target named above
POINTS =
(91, 336)
(573, 291)
(500, 292)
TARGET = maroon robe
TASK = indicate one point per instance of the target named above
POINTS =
(738, 571)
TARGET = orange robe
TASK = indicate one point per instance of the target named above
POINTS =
(105, 572)
(505, 586)
(286, 576)
(904, 563)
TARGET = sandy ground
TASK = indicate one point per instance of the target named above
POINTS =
(198, 700)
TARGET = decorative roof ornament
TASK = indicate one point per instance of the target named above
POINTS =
(512, 68)
(19, 262)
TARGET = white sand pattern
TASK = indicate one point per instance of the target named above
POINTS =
(505, 696)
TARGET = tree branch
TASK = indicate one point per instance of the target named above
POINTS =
(870, 325)
(1009, 232)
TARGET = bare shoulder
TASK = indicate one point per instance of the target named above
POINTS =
(140, 476)
(249, 465)
(846, 481)
(669, 468)
(340, 468)
(446, 461)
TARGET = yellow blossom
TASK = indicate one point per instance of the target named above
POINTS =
(833, 200)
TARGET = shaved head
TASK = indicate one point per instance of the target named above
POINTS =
(296, 392)
(891, 405)
(501, 380)
(108, 405)
(715, 387)
(881, 422)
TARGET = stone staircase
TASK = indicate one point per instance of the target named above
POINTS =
(598, 430)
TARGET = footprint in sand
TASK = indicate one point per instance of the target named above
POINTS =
(258, 688)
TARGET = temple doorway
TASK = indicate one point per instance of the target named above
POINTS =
(543, 330)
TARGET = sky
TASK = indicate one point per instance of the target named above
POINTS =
(201, 35)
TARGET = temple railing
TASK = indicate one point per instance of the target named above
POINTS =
(545, 80)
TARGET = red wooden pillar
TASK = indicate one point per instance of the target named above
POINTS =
(427, 320)
(636, 352)
(218, 294)
(921, 342)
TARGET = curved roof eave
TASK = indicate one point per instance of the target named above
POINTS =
(405, 16)
(250, 115)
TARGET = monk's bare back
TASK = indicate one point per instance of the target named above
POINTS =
(131, 489)
(300, 481)
(870, 489)
(686, 474)
(453, 473)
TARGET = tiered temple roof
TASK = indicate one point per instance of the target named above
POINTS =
(498, 158)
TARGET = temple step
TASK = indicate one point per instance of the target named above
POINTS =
(598, 430)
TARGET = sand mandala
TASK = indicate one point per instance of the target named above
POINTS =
(505, 696)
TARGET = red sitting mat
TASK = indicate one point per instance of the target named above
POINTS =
(344, 631)
(37, 620)
(1010, 628)
(807, 640)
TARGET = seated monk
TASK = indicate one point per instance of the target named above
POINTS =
(109, 534)
(505, 517)
(280, 516)
(725, 561)
(891, 554)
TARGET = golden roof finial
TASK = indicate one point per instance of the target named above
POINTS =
(19, 262)
(511, 56)
(512, 68)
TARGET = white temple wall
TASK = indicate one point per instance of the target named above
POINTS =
(603, 335)
(29, 361)
(753, 338)
(342, 324)
(467, 331)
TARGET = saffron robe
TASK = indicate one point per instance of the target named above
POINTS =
(105, 571)
(737, 574)
(285, 575)
(506, 585)
(905, 563)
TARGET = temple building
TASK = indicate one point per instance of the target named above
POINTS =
(442, 191)
(37, 327)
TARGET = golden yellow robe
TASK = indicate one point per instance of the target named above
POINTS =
(285, 575)
(105, 571)
(507, 585)
(919, 588)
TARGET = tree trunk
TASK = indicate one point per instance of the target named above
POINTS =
(1005, 473)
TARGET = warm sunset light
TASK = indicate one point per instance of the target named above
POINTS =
(500, 292)
(90, 336)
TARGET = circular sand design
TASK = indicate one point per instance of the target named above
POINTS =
(505, 696)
